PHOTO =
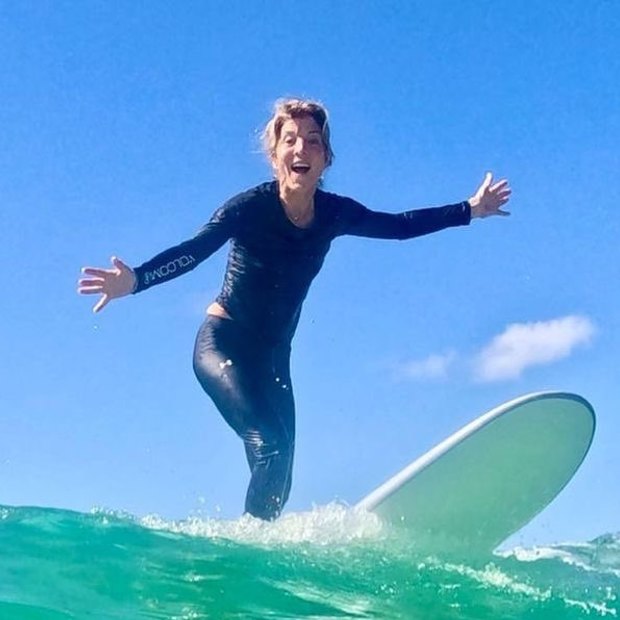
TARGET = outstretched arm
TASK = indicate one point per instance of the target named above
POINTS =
(490, 197)
(122, 280)
(109, 283)
(360, 221)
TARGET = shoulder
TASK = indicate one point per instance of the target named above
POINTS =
(338, 201)
(341, 208)
(258, 193)
(240, 203)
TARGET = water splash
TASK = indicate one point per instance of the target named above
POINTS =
(333, 524)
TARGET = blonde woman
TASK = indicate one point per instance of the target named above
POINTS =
(280, 233)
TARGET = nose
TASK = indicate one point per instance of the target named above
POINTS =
(300, 145)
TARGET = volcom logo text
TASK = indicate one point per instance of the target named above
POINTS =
(168, 269)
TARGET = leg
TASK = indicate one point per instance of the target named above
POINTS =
(250, 385)
(271, 457)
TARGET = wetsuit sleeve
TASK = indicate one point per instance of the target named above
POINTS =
(184, 257)
(360, 221)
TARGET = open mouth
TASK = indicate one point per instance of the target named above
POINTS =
(300, 168)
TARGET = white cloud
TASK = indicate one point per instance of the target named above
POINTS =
(433, 367)
(529, 344)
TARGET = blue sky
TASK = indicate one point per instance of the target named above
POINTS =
(124, 125)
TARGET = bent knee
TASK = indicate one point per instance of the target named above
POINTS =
(211, 366)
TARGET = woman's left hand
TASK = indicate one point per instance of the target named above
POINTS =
(489, 198)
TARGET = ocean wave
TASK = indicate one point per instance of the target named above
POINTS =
(331, 562)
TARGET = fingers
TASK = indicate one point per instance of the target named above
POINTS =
(90, 286)
(101, 303)
(82, 282)
(502, 196)
(500, 192)
(490, 197)
(101, 273)
(119, 264)
(112, 283)
(499, 185)
(97, 272)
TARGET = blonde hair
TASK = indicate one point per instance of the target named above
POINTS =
(285, 109)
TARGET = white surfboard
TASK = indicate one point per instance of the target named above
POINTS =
(489, 479)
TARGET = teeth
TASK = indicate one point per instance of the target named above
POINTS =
(300, 167)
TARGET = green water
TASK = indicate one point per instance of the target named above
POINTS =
(328, 563)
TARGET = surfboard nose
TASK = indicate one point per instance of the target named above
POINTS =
(490, 478)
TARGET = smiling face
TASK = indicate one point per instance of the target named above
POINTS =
(299, 158)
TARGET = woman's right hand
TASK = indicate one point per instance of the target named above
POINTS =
(109, 283)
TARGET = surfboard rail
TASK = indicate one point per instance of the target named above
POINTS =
(553, 432)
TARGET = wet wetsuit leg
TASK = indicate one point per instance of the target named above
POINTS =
(249, 382)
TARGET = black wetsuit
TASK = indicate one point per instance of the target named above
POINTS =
(243, 363)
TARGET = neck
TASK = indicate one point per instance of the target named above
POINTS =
(298, 202)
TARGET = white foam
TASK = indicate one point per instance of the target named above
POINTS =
(539, 553)
(323, 525)
(493, 576)
(600, 555)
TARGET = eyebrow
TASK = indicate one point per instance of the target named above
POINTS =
(290, 132)
(314, 132)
